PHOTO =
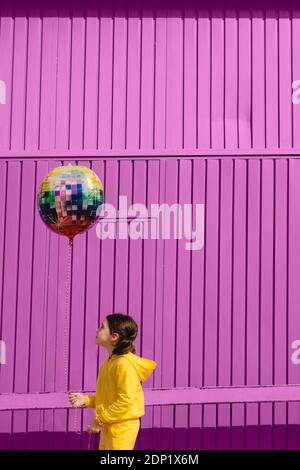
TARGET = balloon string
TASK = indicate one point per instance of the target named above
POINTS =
(66, 331)
(66, 318)
(67, 325)
(89, 443)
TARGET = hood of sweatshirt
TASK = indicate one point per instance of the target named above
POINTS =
(144, 367)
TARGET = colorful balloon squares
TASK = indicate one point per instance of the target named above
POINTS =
(70, 200)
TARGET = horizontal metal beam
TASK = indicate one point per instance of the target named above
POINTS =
(164, 396)
(143, 153)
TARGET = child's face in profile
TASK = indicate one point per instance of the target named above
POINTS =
(104, 337)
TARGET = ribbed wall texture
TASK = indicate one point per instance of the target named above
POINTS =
(223, 315)
(129, 75)
(138, 77)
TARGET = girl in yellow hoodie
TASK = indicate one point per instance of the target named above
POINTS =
(119, 399)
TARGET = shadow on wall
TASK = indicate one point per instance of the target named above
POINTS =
(163, 8)
(251, 437)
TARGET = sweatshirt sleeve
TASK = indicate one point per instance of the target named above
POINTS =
(90, 401)
(126, 384)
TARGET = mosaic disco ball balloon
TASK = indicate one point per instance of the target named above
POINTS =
(70, 200)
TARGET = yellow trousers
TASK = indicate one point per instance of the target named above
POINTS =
(119, 436)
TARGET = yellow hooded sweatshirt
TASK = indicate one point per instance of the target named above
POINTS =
(119, 393)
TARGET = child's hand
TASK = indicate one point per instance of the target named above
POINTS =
(77, 400)
(94, 427)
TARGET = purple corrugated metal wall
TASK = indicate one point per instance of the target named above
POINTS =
(132, 75)
(210, 87)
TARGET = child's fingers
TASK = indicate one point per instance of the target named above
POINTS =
(73, 401)
(89, 430)
(77, 400)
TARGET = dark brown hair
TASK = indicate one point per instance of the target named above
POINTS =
(127, 328)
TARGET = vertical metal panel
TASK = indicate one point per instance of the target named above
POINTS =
(281, 279)
(225, 306)
(267, 294)
(293, 305)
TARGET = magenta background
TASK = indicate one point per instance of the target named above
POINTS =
(166, 103)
